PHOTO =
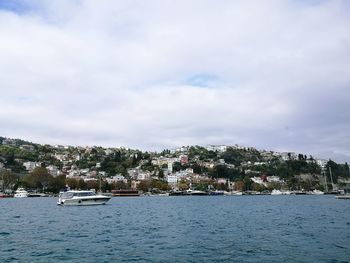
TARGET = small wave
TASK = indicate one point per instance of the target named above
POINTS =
(338, 246)
(4, 233)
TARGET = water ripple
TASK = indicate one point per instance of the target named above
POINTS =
(177, 229)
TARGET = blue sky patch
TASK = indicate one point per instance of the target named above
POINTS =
(201, 80)
(15, 6)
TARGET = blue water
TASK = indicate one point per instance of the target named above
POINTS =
(177, 229)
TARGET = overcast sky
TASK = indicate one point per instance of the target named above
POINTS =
(160, 74)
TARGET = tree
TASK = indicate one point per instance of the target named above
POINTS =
(247, 182)
(257, 187)
(160, 174)
(56, 183)
(72, 183)
(40, 177)
(119, 185)
(239, 186)
(9, 180)
(177, 166)
(92, 184)
(183, 185)
(144, 185)
(82, 184)
(337, 170)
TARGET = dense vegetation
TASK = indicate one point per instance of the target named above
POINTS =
(237, 165)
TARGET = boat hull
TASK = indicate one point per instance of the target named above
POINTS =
(84, 202)
(343, 197)
(20, 195)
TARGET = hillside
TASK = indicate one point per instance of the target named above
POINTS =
(49, 167)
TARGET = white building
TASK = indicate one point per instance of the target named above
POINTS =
(108, 151)
(73, 173)
(143, 176)
(258, 180)
(275, 179)
(288, 156)
(172, 179)
(30, 166)
(216, 148)
(116, 178)
(183, 149)
(61, 157)
(170, 167)
(322, 163)
(53, 170)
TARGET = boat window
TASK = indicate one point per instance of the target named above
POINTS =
(66, 195)
(83, 194)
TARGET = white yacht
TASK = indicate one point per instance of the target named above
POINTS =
(20, 193)
(317, 192)
(81, 198)
(279, 192)
(276, 192)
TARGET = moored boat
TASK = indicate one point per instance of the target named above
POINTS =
(21, 193)
(236, 193)
(37, 195)
(217, 192)
(345, 194)
(3, 195)
(195, 192)
(317, 192)
(81, 198)
(276, 192)
(125, 192)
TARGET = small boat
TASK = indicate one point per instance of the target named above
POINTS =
(345, 194)
(21, 193)
(217, 192)
(176, 193)
(279, 192)
(195, 192)
(300, 192)
(3, 195)
(276, 192)
(125, 192)
(159, 194)
(37, 195)
(81, 198)
(317, 192)
(236, 193)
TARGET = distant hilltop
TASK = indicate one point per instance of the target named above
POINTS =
(209, 167)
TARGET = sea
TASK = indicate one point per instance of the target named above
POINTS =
(177, 229)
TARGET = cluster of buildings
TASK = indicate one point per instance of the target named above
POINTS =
(67, 157)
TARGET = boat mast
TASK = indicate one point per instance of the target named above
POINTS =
(325, 182)
(330, 173)
(2, 182)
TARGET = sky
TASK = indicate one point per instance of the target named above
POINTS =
(159, 74)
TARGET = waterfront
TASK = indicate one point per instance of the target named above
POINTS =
(178, 229)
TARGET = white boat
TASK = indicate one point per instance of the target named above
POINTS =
(345, 194)
(279, 192)
(235, 193)
(81, 198)
(20, 193)
(317, 192)
(276, 192)
(194, 192)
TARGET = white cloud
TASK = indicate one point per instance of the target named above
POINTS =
(161, 74)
